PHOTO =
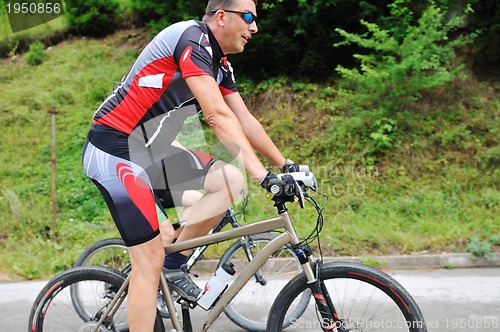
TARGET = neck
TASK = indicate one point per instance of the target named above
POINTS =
(214, 31)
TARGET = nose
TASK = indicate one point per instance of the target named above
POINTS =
(253, 27)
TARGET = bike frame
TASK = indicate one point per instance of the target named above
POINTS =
(228, 218)
(289, 235)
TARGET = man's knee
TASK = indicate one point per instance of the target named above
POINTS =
(190, 197)
(148, 256)
(235, 178)
(167, 232)
(226, 177)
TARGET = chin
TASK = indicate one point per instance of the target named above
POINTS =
(236, 51)
(241, 49)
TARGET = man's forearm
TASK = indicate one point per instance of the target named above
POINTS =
(262, 143)
(229, 131)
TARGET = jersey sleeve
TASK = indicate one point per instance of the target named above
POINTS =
(195, 57)
(194, 54)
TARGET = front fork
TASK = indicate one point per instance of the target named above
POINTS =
(330, 320)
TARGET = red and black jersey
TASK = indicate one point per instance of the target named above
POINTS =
(154, 87)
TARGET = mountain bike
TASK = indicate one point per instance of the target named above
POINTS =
(112, 252)
(343, 296)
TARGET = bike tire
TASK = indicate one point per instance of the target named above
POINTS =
(53, 309)
(110, 252)
(281, 266)
(365, 299)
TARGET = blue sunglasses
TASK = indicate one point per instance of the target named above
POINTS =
(247, 16)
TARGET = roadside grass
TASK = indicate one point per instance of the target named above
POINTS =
(49, 33)
(74, 79)
(37, 31)
(438, 188)
(13, 44)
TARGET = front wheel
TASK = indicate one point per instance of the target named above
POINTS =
(364, 298)
(54, 308)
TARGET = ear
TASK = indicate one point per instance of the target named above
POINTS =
(219, 17)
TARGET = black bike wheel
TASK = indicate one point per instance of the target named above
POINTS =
(271, 277)
(365, 299)
(108, 252)
(53, 309)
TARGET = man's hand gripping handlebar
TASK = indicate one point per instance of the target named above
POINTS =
(290, 185)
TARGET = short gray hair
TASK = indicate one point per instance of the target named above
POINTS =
(219, 4)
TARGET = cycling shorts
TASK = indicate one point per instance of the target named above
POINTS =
(136, 195)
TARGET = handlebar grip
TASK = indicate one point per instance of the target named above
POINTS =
(275, 189)
(305, 177)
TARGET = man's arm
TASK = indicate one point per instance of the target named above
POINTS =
(225, 124)
(256, 134)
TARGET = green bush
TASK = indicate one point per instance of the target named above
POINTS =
(36, 54)
(158, 14)
(479, 248)
(94, 18)
(296, 36)
(395, 72)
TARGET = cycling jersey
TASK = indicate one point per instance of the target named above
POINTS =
(155, 85)
(134, 127)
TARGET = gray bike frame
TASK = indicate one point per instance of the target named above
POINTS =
(288, 236)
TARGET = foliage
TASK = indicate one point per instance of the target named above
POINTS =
(303, 49)
(92, 17)
(158, 14)
(298, 34)
(486, 21)
(36, 54)
(405, 13)
(295, 36)
(479, 248)
(384, 135)
(396, 67)
(397, 72)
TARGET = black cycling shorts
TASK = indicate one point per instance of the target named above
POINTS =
(136, 195)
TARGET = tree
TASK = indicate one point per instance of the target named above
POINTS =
(398, 65)
(91, 17)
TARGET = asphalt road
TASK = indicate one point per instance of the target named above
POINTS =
(451, 300)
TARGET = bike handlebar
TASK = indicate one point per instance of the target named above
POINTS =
(304, 178)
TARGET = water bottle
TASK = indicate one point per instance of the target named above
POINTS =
(216, 286)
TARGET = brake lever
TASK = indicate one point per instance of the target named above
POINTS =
(299, 193)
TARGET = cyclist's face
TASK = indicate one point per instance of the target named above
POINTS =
(237, 31)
